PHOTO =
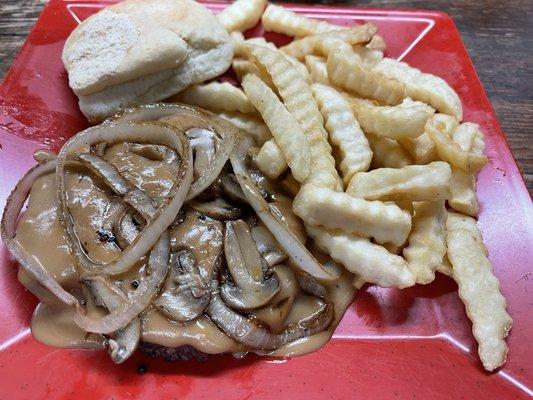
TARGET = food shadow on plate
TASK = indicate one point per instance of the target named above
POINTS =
(381, 309)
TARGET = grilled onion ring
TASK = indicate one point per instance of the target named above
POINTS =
(193, 117)
(14, 205)
(140, 132)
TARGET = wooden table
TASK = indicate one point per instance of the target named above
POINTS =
(496, 34)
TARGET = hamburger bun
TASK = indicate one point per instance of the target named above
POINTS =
(143, 51)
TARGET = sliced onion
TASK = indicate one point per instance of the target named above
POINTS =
(158, 263)
(126, 340)
(14, 205)
(125, 230)
(193, 118)
(158, 220)
(296, 250)
(245, 331)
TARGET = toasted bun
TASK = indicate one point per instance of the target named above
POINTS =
(142, 51)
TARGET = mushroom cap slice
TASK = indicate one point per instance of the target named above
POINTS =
(185, 295)
(232, 189)
(252, 289)
(275, 314)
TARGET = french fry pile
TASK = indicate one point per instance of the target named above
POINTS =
(402, 155)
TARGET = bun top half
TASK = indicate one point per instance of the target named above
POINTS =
(137, 38)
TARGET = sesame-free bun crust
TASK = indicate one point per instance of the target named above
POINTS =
(142, 51)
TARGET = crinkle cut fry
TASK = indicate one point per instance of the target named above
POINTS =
(427, 240)
(422, 148)
(215, 96)
(298, 98)
(479, 289)
(427, 88)
(385, 222)
(451, 152)
(406, 120)
(429, 182)
(387, 153)
(463, 197)
(371, 262)
(345, 69)
(242, 14)
(284, 128)
(356, 35)
(344, 131)
(279, 19)
(318, 69)
(270, 160)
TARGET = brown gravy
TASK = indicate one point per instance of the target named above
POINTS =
(40, 233)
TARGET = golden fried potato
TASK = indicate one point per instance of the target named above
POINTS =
(449, 151)
(242, 14)
(427, 88)
(215, 96)
(377, 43)
(344, 131)
(463, 198)
(387, 153)
(463, 193)
(270, 160)
(414, 183)
(250, 125)
(347, 71)
(445, 267)
(469, 137)
(479, 289)
(284, 128)
(318, 69)
(279, 19)
(406, 120)
(242, 67)
(299, 100)
(369, 57)
(427, 240)
(371, 262)
(422, 148)
(359, 34)
(237, 39)
(332, 44)
(385, 222)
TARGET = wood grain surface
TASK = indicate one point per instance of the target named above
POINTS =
(497, 34)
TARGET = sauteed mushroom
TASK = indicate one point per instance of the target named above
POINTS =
(141, 256)
(252, 288)
(185, 294)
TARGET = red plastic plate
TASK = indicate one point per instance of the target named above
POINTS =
(413, 343)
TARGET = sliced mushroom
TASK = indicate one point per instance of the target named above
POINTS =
(203, 236)
(311, 286)
(196, 244)
(251, 288)
(125, 340)
(218, 209)
(247, 332)
(185, 295)
(275, 314)
(232, 189)
(268, 246)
